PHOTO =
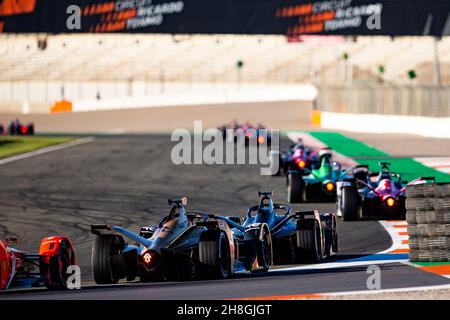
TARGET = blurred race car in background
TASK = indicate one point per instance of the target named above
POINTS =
(373, 195)
(48, 268)
(297, 237)
(317, 184)
(184, 245)
(247, 133)
(297, 157)
(17, 128)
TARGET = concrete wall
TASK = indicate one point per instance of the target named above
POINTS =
(37, 97)
(408, 100)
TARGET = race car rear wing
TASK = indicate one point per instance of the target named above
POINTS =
(265, 193)
(101, 229)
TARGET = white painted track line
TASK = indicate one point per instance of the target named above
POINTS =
(46, 150)
(337, 265)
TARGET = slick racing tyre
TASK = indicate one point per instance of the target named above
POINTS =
(264, 250)
(105, 247)
(295, 187)
(411, 217)
(57, 267)
(308, 242)
(330, 232)
(214, 255)
(350, 203)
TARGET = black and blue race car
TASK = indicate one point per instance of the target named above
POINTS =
(297, 237)
(184, 245)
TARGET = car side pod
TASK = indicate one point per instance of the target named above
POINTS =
(56, 254)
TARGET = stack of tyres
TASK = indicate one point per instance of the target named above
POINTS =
(428, 217)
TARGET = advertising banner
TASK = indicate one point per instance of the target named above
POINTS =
(289, 17)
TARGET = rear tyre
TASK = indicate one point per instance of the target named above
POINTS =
(214, 255)
(308, 242)
(350, 203)
(264, 250)
(105, 246)
(295, 187)
(334, 236)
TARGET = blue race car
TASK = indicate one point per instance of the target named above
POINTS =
(184, 245)
(303, 236)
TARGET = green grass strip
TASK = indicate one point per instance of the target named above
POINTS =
(367, 155)
(347, 146)
(11, 146)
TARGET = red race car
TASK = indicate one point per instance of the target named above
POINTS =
(19, 269)
(19, 129)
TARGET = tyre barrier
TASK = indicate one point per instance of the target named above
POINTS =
(428, 218)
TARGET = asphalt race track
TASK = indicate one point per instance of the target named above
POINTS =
(127, 179)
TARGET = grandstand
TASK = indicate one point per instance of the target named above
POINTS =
(203, 58)
(102, 66)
